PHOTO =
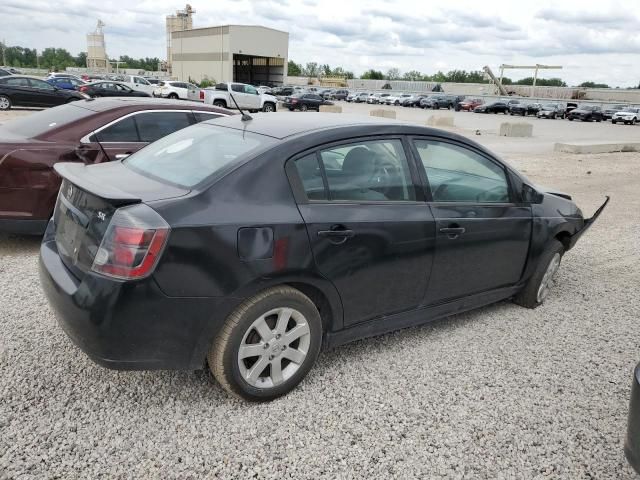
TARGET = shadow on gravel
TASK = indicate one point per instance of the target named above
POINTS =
(17, 244)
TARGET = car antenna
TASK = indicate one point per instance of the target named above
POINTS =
(245, 116)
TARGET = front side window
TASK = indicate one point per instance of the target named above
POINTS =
(17, 82)
(375, 170)
(457, 174)
(250, 90)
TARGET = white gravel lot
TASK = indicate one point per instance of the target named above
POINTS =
(502, 392)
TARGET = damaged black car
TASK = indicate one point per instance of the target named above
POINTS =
(247, 244)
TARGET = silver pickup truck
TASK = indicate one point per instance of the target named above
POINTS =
(246, 96)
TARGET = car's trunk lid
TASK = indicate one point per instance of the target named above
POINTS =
(88, 198)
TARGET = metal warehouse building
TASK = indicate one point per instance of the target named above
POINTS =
(230, 53)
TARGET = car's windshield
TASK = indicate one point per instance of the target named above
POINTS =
(32, 126)
(194, 154)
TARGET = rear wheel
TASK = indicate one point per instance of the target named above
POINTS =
(173, 96)
(219, 103)
(267, 345)
(5, 102)
(539, 285)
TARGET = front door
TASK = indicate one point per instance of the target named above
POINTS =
(370, 232)
(482, 235)
(46, 94)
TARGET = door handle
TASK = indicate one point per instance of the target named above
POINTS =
(122, 156)
(453, 232)
(337, 235)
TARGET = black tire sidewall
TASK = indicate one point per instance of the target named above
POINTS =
(230, 355)
(10, 104)
(528, 296)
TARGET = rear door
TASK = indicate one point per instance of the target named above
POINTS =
(482, 231)
(370, 231)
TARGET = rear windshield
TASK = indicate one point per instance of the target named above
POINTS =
(192, 155)
(39, 123)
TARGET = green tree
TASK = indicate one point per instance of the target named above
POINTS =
(294, 69)
(393, 74)
(412, 76)
(56, 59)
(595, 85)
(311, 69)
(372, 75)
(81, 59)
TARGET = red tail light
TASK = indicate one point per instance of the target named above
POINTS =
(83, 88)
(201, 94)
(294, 100)
(132, 244)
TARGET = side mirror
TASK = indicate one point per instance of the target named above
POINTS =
(531, 195)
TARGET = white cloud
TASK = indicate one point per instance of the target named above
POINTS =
(595, 41)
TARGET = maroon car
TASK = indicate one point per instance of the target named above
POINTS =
(88, 131)
(468, 104)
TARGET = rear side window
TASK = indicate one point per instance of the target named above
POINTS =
(190, 156)
(202, 116)
(41, 84)
(311, 176)
(457, 174)
(17, 82)
(155, 125)
(363, 171)
(122, 131)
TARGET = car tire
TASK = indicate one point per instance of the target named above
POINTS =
(219, 104)
(303, 108)
(5, 103)
(238, 372)
(613, 121)
(571, 119)
(269, 107)
(537, 288)
(173, 96)
(598, 120)
(634, 121)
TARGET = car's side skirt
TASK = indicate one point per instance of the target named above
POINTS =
(419, 316)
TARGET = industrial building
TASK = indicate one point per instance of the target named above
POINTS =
(97, 58)
(182, 20)
(230, 53)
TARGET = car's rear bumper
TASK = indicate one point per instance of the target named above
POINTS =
(23, 227)
(130, 325)
(632, 444)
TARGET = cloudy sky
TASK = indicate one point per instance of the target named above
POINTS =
(597, 41)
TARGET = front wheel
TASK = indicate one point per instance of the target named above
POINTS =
(539, 285)
(269, 107)
(613, 121)
(173, 96)
(267, 345)
(5, 102)
(304, 108)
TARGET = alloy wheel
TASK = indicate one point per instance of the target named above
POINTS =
(274, 347)
(5, 103)
(547, 279)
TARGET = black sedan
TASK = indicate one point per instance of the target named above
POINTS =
(551, 110)
(249, 244)
(493, 107)
(586, 113)
(305, 101)
(524, 109)
(25, 91)
(111, 89)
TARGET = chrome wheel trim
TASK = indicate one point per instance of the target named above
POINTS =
(289, 340)
(5, 104)
(547, 279)
(268, 107)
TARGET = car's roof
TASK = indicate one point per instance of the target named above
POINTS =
(284, 124)
(103, 104)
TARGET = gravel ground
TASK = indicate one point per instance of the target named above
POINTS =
(502, 392)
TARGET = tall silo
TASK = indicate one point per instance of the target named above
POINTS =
(182, 20)
(97, 59)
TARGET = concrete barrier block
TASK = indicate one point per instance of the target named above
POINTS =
(597, 147)
(517, 129)
(381, 112)
(440, 121)
(331, 108)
